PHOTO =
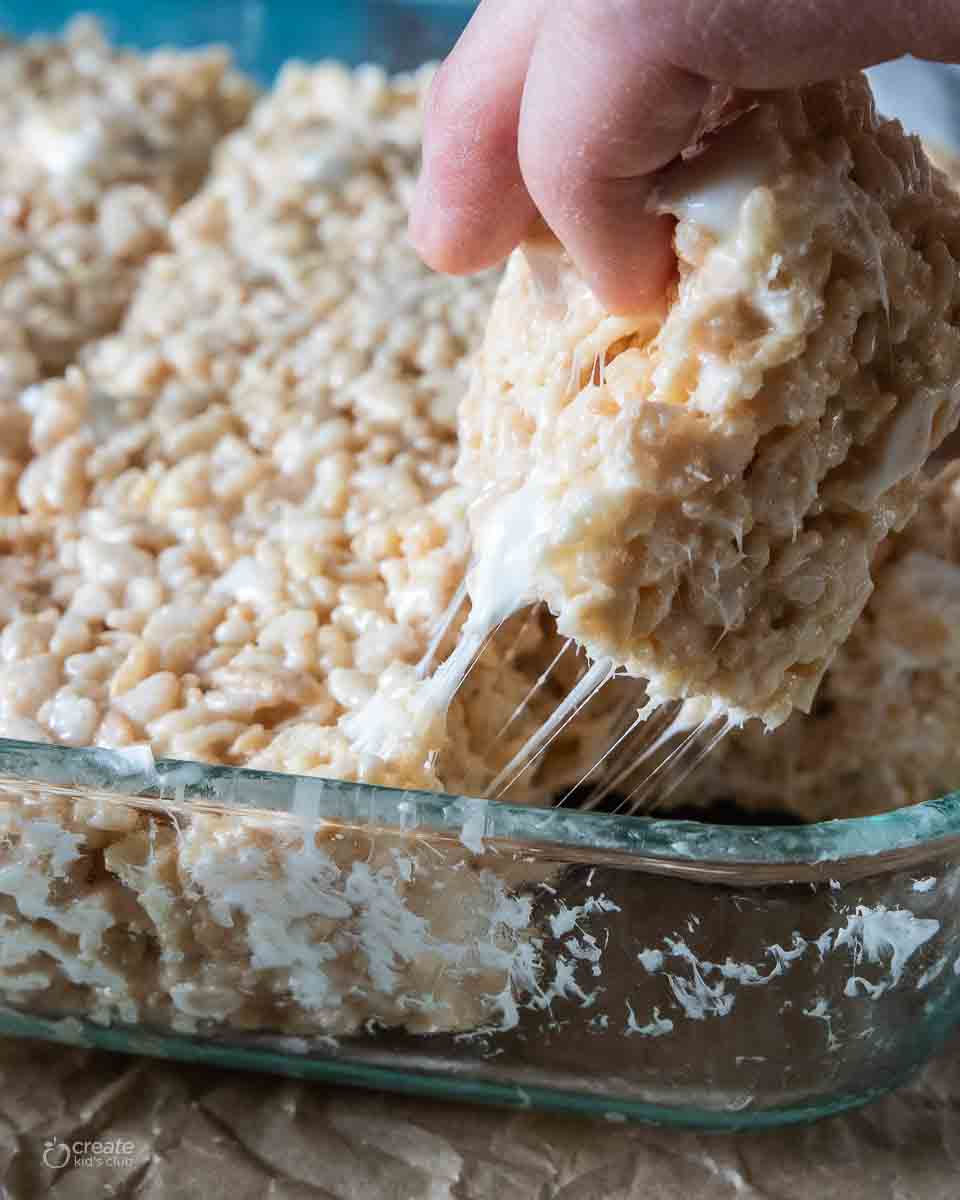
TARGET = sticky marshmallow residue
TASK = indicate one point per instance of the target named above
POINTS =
(512, 542)
(711, 190)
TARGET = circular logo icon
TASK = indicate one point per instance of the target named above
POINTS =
(56, 1154)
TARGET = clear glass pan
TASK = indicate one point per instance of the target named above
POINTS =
(679, 972)
(692, 974)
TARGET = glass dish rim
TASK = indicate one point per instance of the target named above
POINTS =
(133, 776)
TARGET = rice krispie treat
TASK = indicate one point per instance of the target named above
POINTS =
(698, 493)
(204, 924)
(883, 731)
(100, 146)
(238, 515)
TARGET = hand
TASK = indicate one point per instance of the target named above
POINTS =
(566, 108)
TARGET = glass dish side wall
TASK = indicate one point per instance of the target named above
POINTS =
(313, 936)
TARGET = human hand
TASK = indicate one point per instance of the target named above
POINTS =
(566, 108)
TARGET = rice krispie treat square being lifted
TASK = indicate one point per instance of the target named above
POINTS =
(698, 492)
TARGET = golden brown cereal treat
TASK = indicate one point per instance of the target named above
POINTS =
(100, 146)
(698, 493)
(883, 729)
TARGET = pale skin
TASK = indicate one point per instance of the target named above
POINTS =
(565, 110)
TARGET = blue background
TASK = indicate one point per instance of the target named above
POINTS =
(263, 33)
(398, 34)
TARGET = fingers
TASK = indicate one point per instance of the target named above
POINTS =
(471, 206)
(601, 110)
(567, 106)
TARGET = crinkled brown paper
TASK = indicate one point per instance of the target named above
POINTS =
(218, 1135)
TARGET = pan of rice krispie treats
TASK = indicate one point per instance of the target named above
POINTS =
(233, 517)
(256, 486)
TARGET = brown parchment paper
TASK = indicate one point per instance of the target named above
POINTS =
(218, 1135)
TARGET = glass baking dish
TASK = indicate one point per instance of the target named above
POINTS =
(686, 973)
